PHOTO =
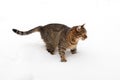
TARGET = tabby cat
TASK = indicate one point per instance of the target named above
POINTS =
(59, 35)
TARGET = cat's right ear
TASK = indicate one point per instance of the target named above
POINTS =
(78, 28)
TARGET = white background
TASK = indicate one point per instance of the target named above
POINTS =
(25, 57)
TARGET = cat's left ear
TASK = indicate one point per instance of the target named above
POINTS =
(82, 26)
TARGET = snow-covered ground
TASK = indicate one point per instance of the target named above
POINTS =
(25, 57)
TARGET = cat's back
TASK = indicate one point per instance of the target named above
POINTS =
(52, 32)
(55, 27)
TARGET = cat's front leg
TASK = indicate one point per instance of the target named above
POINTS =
(73, 51)
(62, 54)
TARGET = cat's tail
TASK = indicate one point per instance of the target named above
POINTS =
(36, 29)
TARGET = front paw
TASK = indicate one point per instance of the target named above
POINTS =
(63, 60)
(73, 51)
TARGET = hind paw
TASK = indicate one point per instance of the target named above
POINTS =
(51, 51)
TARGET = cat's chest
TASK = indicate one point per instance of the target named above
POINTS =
(74, 45)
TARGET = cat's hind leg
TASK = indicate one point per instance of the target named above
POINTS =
(50, 48)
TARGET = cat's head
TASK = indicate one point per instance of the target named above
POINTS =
(80, 32)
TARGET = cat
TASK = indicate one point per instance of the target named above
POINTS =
(59, 35)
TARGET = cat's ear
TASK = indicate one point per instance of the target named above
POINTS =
(78, 28)
(82, 26)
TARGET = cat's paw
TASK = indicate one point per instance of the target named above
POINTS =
(51, 51)
(63, 60)
(73, 51)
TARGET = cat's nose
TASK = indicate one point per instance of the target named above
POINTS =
(85, 36)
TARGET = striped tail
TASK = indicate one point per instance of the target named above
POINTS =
(36, 29)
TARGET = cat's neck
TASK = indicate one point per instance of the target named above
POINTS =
(71, 37)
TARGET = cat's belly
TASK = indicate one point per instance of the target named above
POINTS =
(72, 47)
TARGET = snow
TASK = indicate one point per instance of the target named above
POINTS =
(25, 57)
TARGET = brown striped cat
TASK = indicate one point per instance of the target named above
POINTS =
(59, 35)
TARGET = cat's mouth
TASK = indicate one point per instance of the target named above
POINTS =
(83, 37)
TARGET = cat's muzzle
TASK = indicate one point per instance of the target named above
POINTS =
(84, 37)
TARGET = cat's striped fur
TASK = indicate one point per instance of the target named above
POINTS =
(59, 35)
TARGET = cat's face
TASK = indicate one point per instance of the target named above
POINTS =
(81, 32)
